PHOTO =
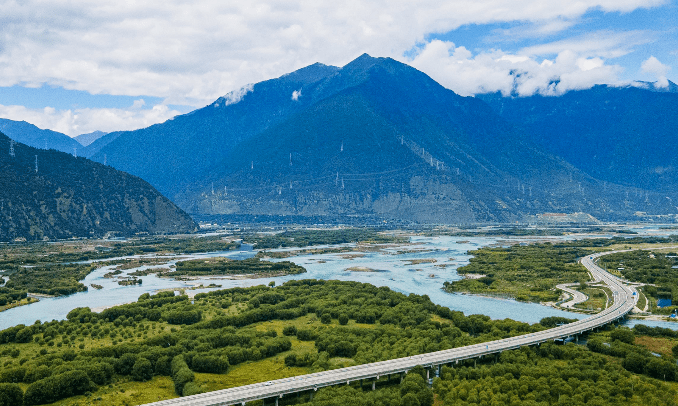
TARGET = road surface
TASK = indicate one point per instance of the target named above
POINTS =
(624, 301)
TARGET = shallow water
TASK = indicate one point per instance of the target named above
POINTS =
(392, 265)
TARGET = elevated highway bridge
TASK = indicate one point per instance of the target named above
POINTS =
(623, 302)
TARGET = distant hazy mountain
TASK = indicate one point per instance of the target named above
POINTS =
(75, 197)
(620, 135)
(31, 135)
(374, 138)
(86, 139)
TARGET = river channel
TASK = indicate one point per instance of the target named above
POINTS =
(420, 267)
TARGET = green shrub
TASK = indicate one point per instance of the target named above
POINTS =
(125, 363)
(57, 387)
(343, 319)
(12, 375)
(11, 395)
(181, 374)
(291, 360)
(37, 373)
(306, 335)
(209, 364)
(623, 334)
(183, 316)
(142, 370)
(191, 388)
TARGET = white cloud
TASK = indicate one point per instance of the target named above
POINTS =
(653, 66)
(234, 96)
(138, 104)
(296, 94)
(605, 44)
(190, 53)
(193, 52)
(467, 74)
(81, 121)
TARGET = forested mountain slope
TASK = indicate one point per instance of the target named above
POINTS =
(623, 135)
(75, 197)
(374, 138)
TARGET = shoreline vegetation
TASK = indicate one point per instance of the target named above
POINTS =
(166, 345)
(531, 273)
(57, 269)
(220, 266)
(163, 346)
(54, 269)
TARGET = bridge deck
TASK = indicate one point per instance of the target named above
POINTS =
(624, 301)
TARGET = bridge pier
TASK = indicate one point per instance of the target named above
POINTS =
(374, 384)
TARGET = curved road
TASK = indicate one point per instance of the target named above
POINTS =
(577, 296)
(624, 302)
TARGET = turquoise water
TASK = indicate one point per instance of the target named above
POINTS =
(393, 268)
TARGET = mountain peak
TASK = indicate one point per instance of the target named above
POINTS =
(362, 63)
(310, 73)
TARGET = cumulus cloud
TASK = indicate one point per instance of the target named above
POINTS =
(659, 70)
(460, 70)
(81, 121)
(193, 52)
(190, 53)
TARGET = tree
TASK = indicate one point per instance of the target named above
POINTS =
(125, 363)
(11, 395)
(142, 370)
(410, 399)
(623, 334)
(326, 318)
(634, 362)
(209, 364)
(57, 387)
(415, 384)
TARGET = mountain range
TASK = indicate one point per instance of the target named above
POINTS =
(380, 138)
(48, 194)
(35, 137)
(622, 135)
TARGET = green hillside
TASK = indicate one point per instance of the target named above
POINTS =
(74, 197)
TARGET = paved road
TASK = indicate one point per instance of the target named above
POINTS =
(577, 296)
(624, 301)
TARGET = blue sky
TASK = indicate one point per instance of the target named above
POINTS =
(77, 67)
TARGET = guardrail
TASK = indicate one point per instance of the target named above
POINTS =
(624, 302)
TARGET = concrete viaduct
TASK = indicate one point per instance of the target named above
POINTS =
(624, 302)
